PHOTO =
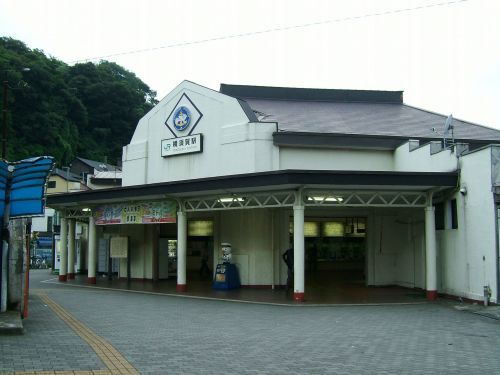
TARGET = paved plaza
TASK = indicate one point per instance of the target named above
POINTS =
(83, 331)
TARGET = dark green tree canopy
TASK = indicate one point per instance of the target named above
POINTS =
(88, 110)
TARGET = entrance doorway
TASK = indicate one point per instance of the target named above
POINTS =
(335, 251)
(167, 258)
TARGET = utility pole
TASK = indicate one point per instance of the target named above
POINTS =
(4, 123)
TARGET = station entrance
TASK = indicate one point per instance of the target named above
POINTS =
(335, 251)
(200, 250)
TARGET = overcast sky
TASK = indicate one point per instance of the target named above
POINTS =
(446, 58)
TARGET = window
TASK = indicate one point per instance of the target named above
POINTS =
(439, 215)
(200, 228)
(51, 184)
(454, 218)
(49, 223)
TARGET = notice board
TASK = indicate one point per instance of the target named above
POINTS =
(119, 247)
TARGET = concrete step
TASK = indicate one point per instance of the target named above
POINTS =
(11, 323)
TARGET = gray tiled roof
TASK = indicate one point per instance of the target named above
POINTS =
(67, 175)
(360, 112)
(387, 119)
(99, 165)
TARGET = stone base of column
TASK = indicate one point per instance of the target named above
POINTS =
(91, 280)
(63, 278)
(432, 295)
(299, 297)
(181, 288)
(71, 276)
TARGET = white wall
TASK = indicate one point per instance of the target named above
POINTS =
(39, 224)
(469, 253)
(249, 233)
(335, 159)
(395, 248)
(231, 144)
(421, 159)
(141, 248)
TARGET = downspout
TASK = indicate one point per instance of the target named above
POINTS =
(497, 245)
(497, 252)
(272, 248)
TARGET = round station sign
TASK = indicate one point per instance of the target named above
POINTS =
(182, 118)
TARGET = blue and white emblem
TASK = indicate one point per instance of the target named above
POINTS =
(181, 118)
(184, 117)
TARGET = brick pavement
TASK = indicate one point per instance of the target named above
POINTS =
(168, 335)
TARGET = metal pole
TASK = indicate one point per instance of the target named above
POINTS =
(4, 247)
(27, 270)
(4, 113)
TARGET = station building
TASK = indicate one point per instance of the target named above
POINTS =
(361, 185)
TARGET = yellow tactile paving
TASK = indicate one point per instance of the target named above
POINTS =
(109, 355)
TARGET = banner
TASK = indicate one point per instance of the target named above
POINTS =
(136, 213)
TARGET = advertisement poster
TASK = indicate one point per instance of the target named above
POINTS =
(136, 213)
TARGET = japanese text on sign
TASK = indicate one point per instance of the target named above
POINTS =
(181, 145)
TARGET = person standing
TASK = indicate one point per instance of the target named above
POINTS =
(204, 269)
(288, 259)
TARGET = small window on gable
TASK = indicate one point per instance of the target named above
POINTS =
(454, 218)
(439, 215)
(51, 184)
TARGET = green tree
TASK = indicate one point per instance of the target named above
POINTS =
(88, 110)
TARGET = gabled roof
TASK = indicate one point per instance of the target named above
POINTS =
(67, 175)
(99, 165)
(353, 112)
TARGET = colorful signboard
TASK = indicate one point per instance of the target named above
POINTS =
(136, 213)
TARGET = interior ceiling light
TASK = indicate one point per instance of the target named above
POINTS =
(325, 199)
(231, 199)
(86, 209)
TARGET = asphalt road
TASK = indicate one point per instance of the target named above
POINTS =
(153, 334)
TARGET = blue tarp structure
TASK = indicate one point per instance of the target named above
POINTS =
(27, 186)
(22, 189)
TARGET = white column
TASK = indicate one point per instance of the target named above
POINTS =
(71, 248)
(298, 252)
(63, 264)
(430, 251)
(91, 278)
(181, 250)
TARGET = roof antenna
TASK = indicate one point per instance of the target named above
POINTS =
(448, 126)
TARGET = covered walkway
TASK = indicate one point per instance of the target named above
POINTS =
(340, 293)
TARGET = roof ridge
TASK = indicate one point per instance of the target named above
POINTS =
(312, 94)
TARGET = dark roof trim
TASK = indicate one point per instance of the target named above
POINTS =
(263, 179)
(358, 141)
(317, 140)
(326, 95)
(100, 166)
(104, 181)
(248, 111)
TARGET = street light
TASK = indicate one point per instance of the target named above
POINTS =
(4, 111)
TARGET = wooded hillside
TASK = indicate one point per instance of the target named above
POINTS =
(88, 110)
